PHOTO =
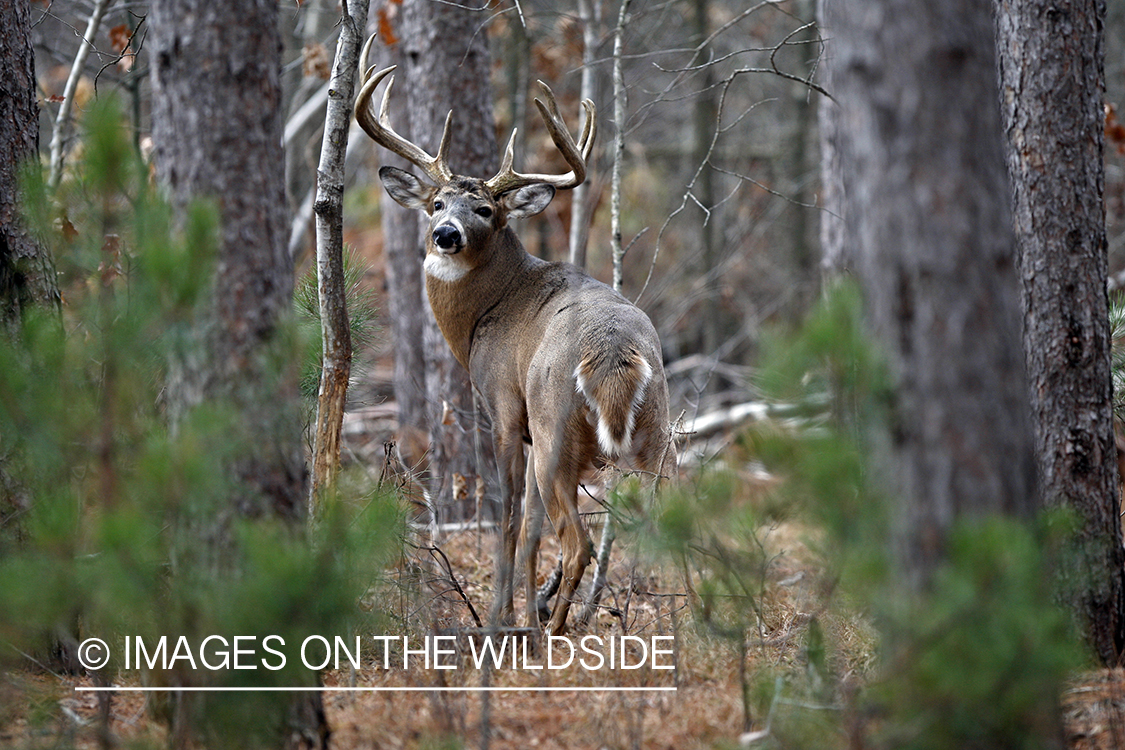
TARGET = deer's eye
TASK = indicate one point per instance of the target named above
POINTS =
(485, 212)
(439, 205)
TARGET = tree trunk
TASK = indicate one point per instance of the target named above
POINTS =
(448, 67)
(336, 349)
(929, 213)
(800, 166)
(403, 252)
(27, 273)
(1052, 77)
(836, 257)
(217, 127)
(705, 122)
(590, 15)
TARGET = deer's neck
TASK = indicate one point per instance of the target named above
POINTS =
(459, 305)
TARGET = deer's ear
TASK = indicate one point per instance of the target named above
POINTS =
(406, 189)
(527, 201)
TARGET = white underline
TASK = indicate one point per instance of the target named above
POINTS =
(535, 689)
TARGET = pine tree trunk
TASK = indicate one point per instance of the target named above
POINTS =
(27, 273)
(404, 252)
(448, 67)
(929, 213)
(217, 130)
(1053, 78)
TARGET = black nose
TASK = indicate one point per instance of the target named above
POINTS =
(447, 236)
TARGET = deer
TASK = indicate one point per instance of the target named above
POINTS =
(569, 371)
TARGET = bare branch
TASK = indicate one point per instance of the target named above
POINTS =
(61, 136)
(619, 103)
(590, 15)
(336, 351)
(456, 584)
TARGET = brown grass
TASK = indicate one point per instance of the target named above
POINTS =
(706, 710)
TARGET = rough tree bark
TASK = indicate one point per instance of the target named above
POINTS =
(217, 126)
(448, 67)
(403, 252)
(217, 129)
(1052, 77)
(929, 213)
(27, 273)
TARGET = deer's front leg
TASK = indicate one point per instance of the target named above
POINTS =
(510, 461)
(529, 538)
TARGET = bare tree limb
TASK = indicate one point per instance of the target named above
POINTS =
(437, 551)
(63, 121)
(313, 107)
(609, 533)
(590, 13)
(329, 206)
(619, 95)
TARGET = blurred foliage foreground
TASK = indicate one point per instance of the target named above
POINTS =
(115, 523)
(979, 659)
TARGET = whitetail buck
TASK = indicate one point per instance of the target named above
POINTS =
(563, 363)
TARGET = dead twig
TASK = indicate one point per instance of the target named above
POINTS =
(436, 552)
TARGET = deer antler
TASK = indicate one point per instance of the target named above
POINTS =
(379, 128)
(576, 154)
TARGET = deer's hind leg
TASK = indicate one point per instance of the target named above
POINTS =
(558, 464)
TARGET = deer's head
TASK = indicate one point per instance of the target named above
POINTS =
(466, 212)
(464, 216)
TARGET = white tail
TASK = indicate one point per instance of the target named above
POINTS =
(614, 388)
(562, 362)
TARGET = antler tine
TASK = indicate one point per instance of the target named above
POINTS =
(380, 130)
(575, 154)
(509, 153)
(589, 130)
(585, 145)
(363, 57)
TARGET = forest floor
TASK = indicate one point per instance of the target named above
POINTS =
(705, 709)
(724, 689)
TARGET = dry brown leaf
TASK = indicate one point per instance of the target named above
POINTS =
(386, 30)
(315, 62)
(119, 37)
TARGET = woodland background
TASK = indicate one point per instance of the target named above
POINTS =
(880, 243)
